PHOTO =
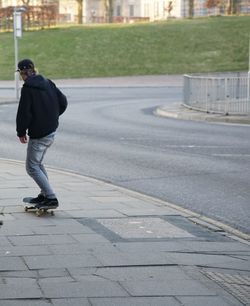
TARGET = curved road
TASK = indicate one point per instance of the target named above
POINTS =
(112, 134)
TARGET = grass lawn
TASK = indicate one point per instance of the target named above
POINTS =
(169, 47)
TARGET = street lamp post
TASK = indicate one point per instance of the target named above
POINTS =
(17, 34)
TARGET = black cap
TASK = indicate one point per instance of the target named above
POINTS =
(25, 64)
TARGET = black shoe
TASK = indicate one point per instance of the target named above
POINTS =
(48, 203)
(40, 198)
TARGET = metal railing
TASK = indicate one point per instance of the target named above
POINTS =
(218, 94)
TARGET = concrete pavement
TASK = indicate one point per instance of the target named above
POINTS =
(110, 246)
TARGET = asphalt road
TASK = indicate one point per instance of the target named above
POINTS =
(112, 134)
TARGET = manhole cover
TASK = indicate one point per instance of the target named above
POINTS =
(131, 228)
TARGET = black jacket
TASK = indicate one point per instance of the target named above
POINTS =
(40, 106)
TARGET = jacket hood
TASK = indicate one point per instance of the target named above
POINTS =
(36, 81)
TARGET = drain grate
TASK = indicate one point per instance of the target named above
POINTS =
(236, 284)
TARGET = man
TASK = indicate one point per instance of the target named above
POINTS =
(41, 103)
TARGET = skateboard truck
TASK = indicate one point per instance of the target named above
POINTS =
(38, 210)
(41, 210)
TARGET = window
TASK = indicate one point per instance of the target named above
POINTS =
(131, 10)
(146, 10)
(118, 10)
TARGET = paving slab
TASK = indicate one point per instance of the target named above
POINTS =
(177, 287)
(12, 264)
(21, 291)
(10, 251)
(84, 289)
(164, 273)
(60, 261)
(4, 242)
(133, 259)
(41, 240)
(25, 302)
(95, 213)
(136, 301)
(71, 302)
(206, 300)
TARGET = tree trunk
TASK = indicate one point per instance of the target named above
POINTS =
(191, 9)
(80, 11)
(108, 4)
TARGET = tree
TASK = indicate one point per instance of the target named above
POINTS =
(80, 10)
(230, 6)
(109, 9)
(26, 2)
(191, 8)
(212, 3)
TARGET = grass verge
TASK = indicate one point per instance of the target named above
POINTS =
(169, 47)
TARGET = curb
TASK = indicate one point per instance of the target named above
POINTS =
(6, 101)
(178, 111)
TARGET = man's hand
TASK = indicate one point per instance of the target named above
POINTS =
(23, 139)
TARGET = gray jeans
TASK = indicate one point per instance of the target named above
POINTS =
(35, 153)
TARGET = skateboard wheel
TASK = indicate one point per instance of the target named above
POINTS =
(38, 213)
(26, 208)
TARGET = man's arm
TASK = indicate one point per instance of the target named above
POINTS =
(62, 100)
(23, 116)
(63, 103)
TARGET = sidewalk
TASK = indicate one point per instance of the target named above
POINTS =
(107, 246)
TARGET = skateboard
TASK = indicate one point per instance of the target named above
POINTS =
(38, 211)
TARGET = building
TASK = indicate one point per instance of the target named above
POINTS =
(130, 10)
(163, 9)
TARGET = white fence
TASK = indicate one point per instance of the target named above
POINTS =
(227, 95)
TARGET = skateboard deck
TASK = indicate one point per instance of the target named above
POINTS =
(30, 207)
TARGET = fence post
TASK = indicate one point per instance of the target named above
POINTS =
(226, 97)
(206, 83)
(248, 91)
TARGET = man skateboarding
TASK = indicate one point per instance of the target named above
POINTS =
(41, 103)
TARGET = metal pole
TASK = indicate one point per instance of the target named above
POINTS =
(16, 76)
(17, 33)
(248, 81)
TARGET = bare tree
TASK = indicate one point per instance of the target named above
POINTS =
(230, 6)
(191, 8)
(233, 7)
(109, 10)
